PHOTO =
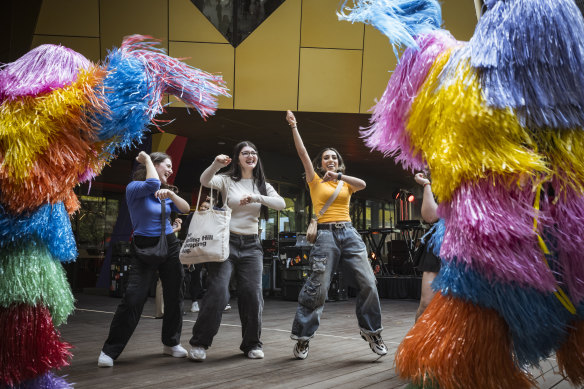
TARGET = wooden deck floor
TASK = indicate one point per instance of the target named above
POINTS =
(338, 358)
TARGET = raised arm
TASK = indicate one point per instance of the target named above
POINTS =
(208, 177)
(429, 206)
(300, 149)
(145, 160)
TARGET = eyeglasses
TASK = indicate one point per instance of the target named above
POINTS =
(248, 153)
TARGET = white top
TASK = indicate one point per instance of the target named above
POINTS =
(244, 218)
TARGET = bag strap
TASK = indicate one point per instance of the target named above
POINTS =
(211, 197)
(331, 199)
(162, 217)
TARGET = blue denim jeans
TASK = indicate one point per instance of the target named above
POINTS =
(339, 246)
(246, 260)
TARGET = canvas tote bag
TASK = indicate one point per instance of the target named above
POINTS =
(313, 225)
(208, 236)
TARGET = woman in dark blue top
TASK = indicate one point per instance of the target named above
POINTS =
(143, 196)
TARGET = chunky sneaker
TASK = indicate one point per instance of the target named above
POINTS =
(256, 353)
(375, 342)
(104, 360)
(177, 351)
(195, 307)
(301, 349)
(227, 307)
(197, 353)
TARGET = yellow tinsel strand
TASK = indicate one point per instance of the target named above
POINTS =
(461, 138)
(565, 152)
(28, 126)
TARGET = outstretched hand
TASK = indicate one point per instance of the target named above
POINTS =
(223, 159)
(290, 118)
(421, 179)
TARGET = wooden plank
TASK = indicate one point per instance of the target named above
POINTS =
(338, 357)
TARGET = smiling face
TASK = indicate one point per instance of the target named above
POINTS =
(248, 158)
(164, 170)
(330, 161)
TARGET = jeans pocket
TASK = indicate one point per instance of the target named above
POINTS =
(310, 295)
(318, 264)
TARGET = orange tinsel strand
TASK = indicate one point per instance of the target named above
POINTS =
(52, 175)
(571, 355)
(456, 345)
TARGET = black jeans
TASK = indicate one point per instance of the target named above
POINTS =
(196, 284)
(246, 260)
(130, 309)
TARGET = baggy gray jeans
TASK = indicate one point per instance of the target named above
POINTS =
(246, 260)
(344, 246)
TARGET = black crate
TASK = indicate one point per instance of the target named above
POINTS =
(122, 249)
(298, 255)
(338, 288)
(291, 290)
(296, 273)
(119, 272)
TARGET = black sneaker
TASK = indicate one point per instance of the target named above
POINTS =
(375, 342)
(301, 349)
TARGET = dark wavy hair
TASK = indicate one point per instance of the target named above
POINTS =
(317, 162)
(157, 158)
(259, 179)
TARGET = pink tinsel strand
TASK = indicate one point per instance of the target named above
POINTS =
(195, 87)
(387, 132)
(568, 215)
(30, 344)
(489, 227)
(41, 70)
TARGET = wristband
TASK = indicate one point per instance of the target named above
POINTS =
(339, 176)
(427, 183)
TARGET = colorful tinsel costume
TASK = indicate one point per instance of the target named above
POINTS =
(499, 122)
(62, 119)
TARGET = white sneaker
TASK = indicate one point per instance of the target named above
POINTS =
(227, 307)
(197, 353)
(256, 353)
(375, 342)
(301, 349)
(195, 307)
(104, 360)
(177, 351)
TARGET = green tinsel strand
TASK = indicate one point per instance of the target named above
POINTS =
(29, 275)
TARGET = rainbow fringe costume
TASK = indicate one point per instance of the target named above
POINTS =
(499, 123)
(62, 119)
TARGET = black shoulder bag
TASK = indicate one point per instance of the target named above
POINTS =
(155, 255)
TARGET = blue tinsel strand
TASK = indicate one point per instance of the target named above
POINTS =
(530, 55)
(399, 20)
(537, 322)
(50, 224)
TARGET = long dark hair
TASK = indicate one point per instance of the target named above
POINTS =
(157, 158)
(317, 162)
(259, 179)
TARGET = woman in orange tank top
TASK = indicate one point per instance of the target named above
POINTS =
(337, 243)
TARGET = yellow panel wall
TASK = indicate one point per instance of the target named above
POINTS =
(128, 17)
(188, 24)
(211, 57)
(330, 80)
(378, 63)
(266, 62)
(459, 18)
(321, 27)
(300, 58)
(69, 18)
